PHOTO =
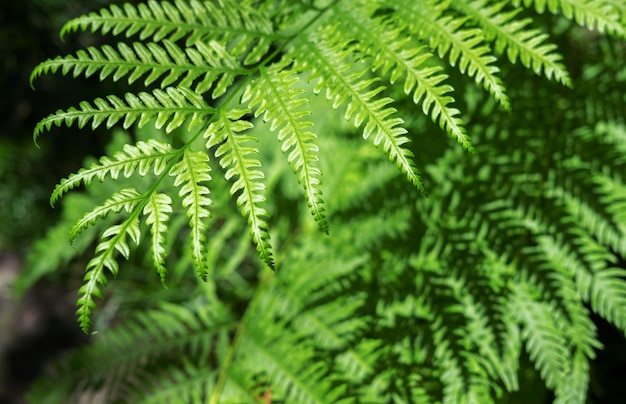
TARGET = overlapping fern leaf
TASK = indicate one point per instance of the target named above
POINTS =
(412, 299)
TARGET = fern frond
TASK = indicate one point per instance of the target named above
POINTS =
(184, 383)
(167, 63)
(467, 47)
(239, 165)
(157, 211)
(274, 97)
(125, 199)
(608, 296)
(390, 48)
(593, 14)
(170, 107)
(325, 61)
(190, 173)
(141, 158)
(546, 346)
(512, 35)
(113, 240)
(225, 21)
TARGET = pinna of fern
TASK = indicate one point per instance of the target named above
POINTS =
(204, 63)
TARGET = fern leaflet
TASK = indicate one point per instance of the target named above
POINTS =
(157, 211)
(272, 95)
(236, 159)
(170, 107)
(138, 158)
(190, 172)
(325, 61)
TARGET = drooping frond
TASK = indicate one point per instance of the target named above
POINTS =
(141, 158)
(514, 37)
(224, 21)
(237, 158)
(274, 97)
(327, 63)
(170, 108)
(191, 174)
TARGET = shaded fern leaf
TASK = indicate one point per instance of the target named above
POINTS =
(224, 21)
(593, 14)
(274, 97)
(113, 241)
(390, 48)
(141, 158)
(157, 210)
(546, 346)
(236, 158)
(513, 36)
(446, 35)
(170, 108)
(167, 63)
(326, 60)
(190, 173)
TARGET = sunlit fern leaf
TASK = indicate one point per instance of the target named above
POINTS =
(593, 14)
(225, 21)
(171, 107)
(229, 137)
(465, 46)
(514, 37)
(190, 173)
(157, 211)
(326, 62)
(166, 63)
(113, 242)
(141, 158)
(125, 199)
(274, 97)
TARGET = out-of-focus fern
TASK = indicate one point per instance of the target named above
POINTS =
(410, 299)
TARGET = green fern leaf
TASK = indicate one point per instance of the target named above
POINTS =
(512, 35)
(157, 211)
(390, 48)
(126, 199)
(190, 172)
(170, 108)
(546, 346)
(325, 61)
(113, 240)
(138, 158)
(224, 21)
(244, 169)
(464, 46)
(204, 63)
(272, 95)
(608, 296)
(593, 14)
